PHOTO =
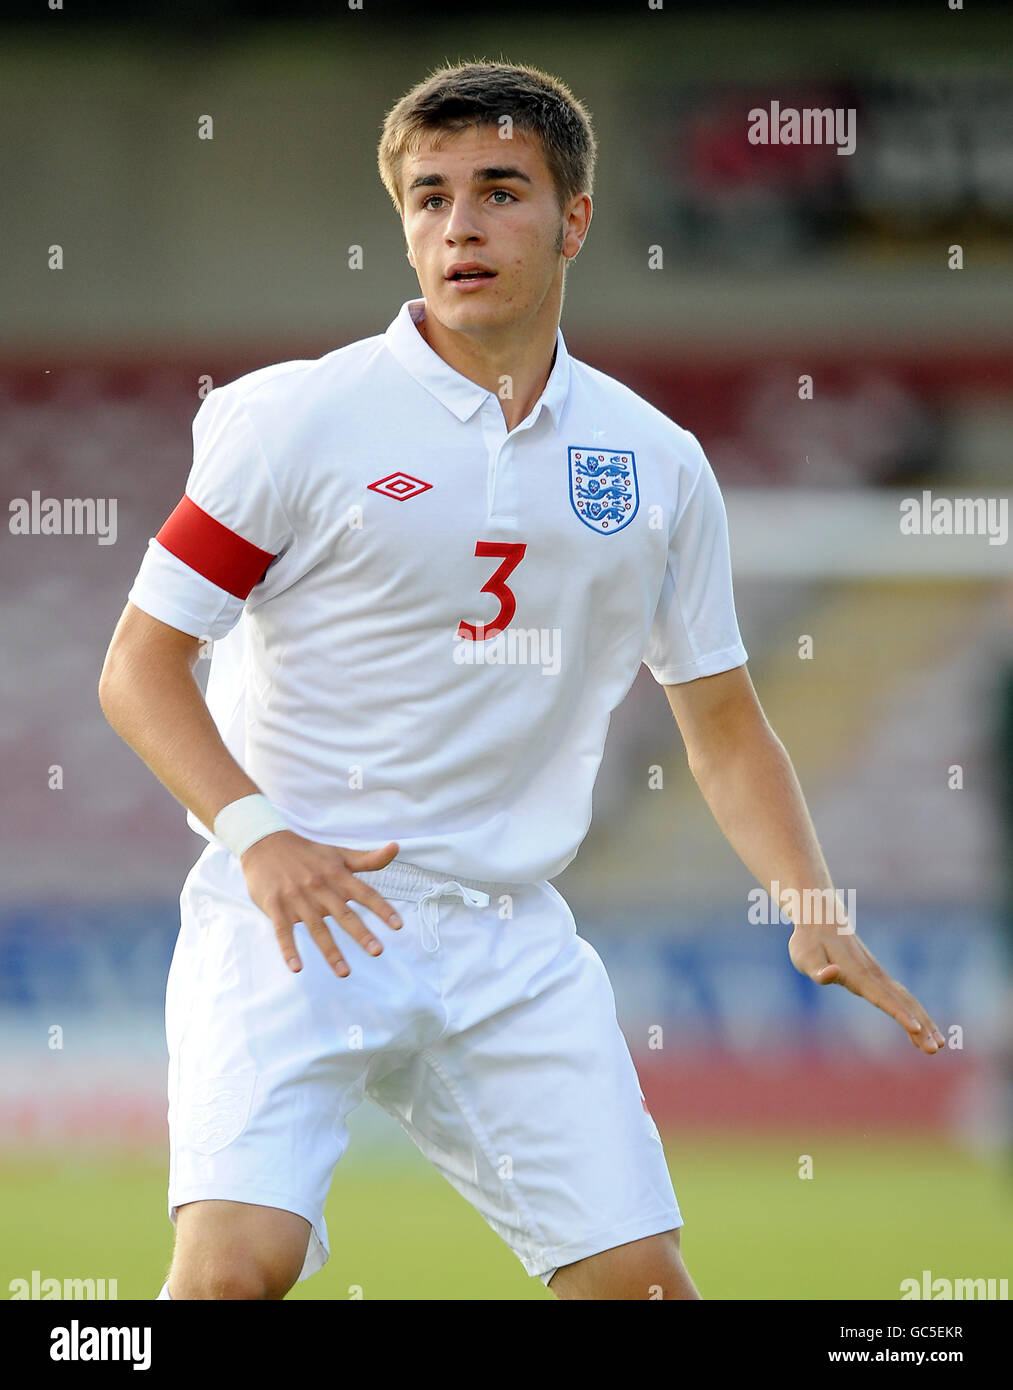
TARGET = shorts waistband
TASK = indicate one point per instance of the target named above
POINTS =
(410, 882)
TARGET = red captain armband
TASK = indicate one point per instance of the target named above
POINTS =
(196, 538)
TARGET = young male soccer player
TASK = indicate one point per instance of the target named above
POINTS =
(387, 544)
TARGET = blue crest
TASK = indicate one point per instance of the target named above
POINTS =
(603, 488)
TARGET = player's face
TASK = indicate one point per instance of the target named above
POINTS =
(481, 199)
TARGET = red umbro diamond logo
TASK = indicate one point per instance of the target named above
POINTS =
(400, 486)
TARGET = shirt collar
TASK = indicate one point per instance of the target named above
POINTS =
(460, 395)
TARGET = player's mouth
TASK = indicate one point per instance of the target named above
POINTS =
(469, 275)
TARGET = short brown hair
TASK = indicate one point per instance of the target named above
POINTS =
(458, 96)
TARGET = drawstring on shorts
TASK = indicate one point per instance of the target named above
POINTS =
(429, 910)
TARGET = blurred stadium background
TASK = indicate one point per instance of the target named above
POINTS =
(186, 257)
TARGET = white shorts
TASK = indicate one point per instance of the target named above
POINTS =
(491, 1038)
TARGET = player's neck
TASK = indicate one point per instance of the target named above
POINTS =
(515, 365)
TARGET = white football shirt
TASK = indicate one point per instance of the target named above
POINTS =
(423, 621)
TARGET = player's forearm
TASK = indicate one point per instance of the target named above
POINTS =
(755, 797)
(156, 706)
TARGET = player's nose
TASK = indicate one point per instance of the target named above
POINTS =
(462, 224)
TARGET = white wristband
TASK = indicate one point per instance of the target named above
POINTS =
(242, 823)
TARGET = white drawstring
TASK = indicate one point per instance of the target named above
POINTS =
(429, 910)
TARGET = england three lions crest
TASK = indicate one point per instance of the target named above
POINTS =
(603, 488)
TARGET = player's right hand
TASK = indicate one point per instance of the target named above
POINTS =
(292, 879)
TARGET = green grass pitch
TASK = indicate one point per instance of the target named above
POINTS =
(876, 1210)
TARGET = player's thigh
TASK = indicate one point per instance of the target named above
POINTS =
(650, 1268)
(236, 1250)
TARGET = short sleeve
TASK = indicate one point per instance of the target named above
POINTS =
(695, 631)
(229, 527)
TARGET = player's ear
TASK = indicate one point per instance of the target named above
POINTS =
(408, 249)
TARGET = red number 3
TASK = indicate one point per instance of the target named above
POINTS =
(512, 553)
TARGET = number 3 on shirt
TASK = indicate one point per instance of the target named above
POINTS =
(512, 553)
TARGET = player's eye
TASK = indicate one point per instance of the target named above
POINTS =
(506, 194)
(426, 201)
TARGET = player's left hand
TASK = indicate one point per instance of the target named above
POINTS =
(829, 958)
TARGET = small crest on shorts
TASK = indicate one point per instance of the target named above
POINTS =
(603, 488)
(218, 1111)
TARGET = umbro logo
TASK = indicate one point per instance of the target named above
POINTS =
(400, 486)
